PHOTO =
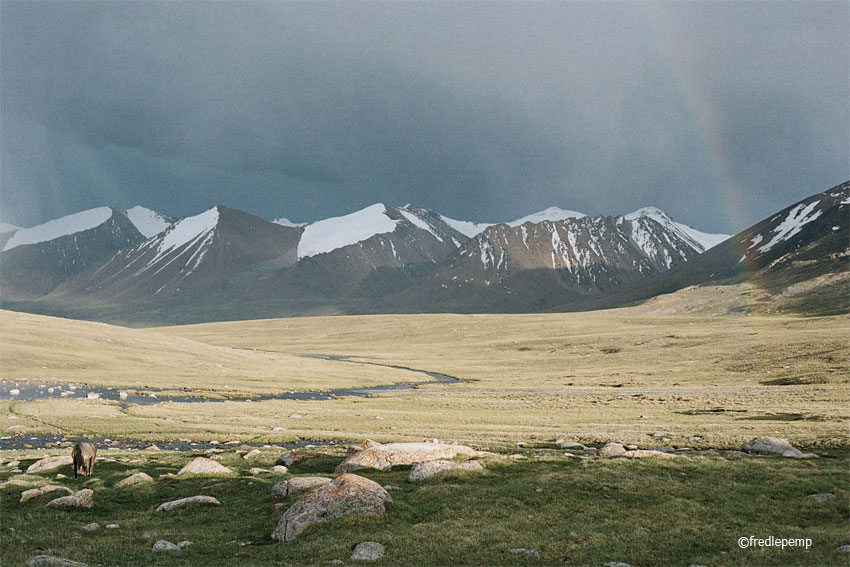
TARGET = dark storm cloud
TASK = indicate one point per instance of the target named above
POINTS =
(480, 111)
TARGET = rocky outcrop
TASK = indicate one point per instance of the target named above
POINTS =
(28, 495)
(421, 471)
(134, 480)
(50, 463)
(203, 465)
(165, 507)
(344, 495)
(372, 455)
(284, 488)
(80, 499)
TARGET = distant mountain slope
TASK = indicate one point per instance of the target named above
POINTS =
(195, 255)
(799, 243)
(471, 229)
(148, 222)
(371, 252)
(36, 260)
(541, 264)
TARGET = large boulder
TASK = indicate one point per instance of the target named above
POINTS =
(166, 506)
(284, 488)
(421, 471)
(203, 465)
(346, 494)
(136, 479)
(372, 455)
(28, 495)
(81, 499)
(773, 446)
(611, 450)
(50, 463)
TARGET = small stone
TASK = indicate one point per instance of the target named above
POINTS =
(561, 444)
(611, 450)
(93, 527)
(251, 454)
(822, 497)
(660, 434)
(163, 545)
(166, 506)
(389, 487)
(617, 564)
(136, 479)
(843, 549)
(517, 457)
(279, 469)
(203, 465)
(28, 495)
(183, 544)
(643, 454)
(632, 447)
(530, 553)
(336, 562)
(50, 561)
(60, 476)
(258, 470)
(80, 499)
(112, 526)
(367, 551)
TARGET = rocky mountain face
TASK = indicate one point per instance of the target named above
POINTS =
(535, 265)
(209, 252)
(34, 261)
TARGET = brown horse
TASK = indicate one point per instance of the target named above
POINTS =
(84, 455)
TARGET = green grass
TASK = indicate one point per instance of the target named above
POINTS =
(585, 512)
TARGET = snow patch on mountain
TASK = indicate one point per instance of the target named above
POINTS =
(148, 222)
(6, 227)
(329, 234)
(283, 221)
(550, 214)
(407, 213)
(184, 231)
(467, 228)
(57, 228)
(702, 240)
(797, 218)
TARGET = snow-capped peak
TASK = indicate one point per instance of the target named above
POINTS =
(283, 221)
(6, 227)
(148, 222)
(467, 228)
(56, 228)
(188, 229)
(329, 234)
(702, 241)
(550, 214)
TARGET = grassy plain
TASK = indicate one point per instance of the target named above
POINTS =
(684, 511)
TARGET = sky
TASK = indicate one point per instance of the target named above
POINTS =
(720, 113)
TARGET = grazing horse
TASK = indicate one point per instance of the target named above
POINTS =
(84, 455)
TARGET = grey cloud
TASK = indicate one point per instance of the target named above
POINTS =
(481, 111)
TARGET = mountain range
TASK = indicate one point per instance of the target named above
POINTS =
(231, 264)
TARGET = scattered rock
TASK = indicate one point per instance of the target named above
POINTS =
(258, 470)
(164, 545)
(517, 457)
(165, 507)
(279, 469)
(60, 476)
(284, 488)
(203, 465)
(659, 434)
(732, 454)
(49, 463)
(112, 526)
(771, 446)
(367, 551)
(346, 494)
(252, 453)
(609, 450)
(290, 457)
(377, 456)
(28, 495)
(561, 444)
(50, 561)
(822, 497)
(13, 464)
(662, 448)
(529, 553)
(81, 499)
(641, 454)
(707, 453)
(421, 471)
(617, 564)
(336, 562)
(389, 487)
(843, 549)
(93, 527)
(631, 447)
(182, 544)
(133, 480)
